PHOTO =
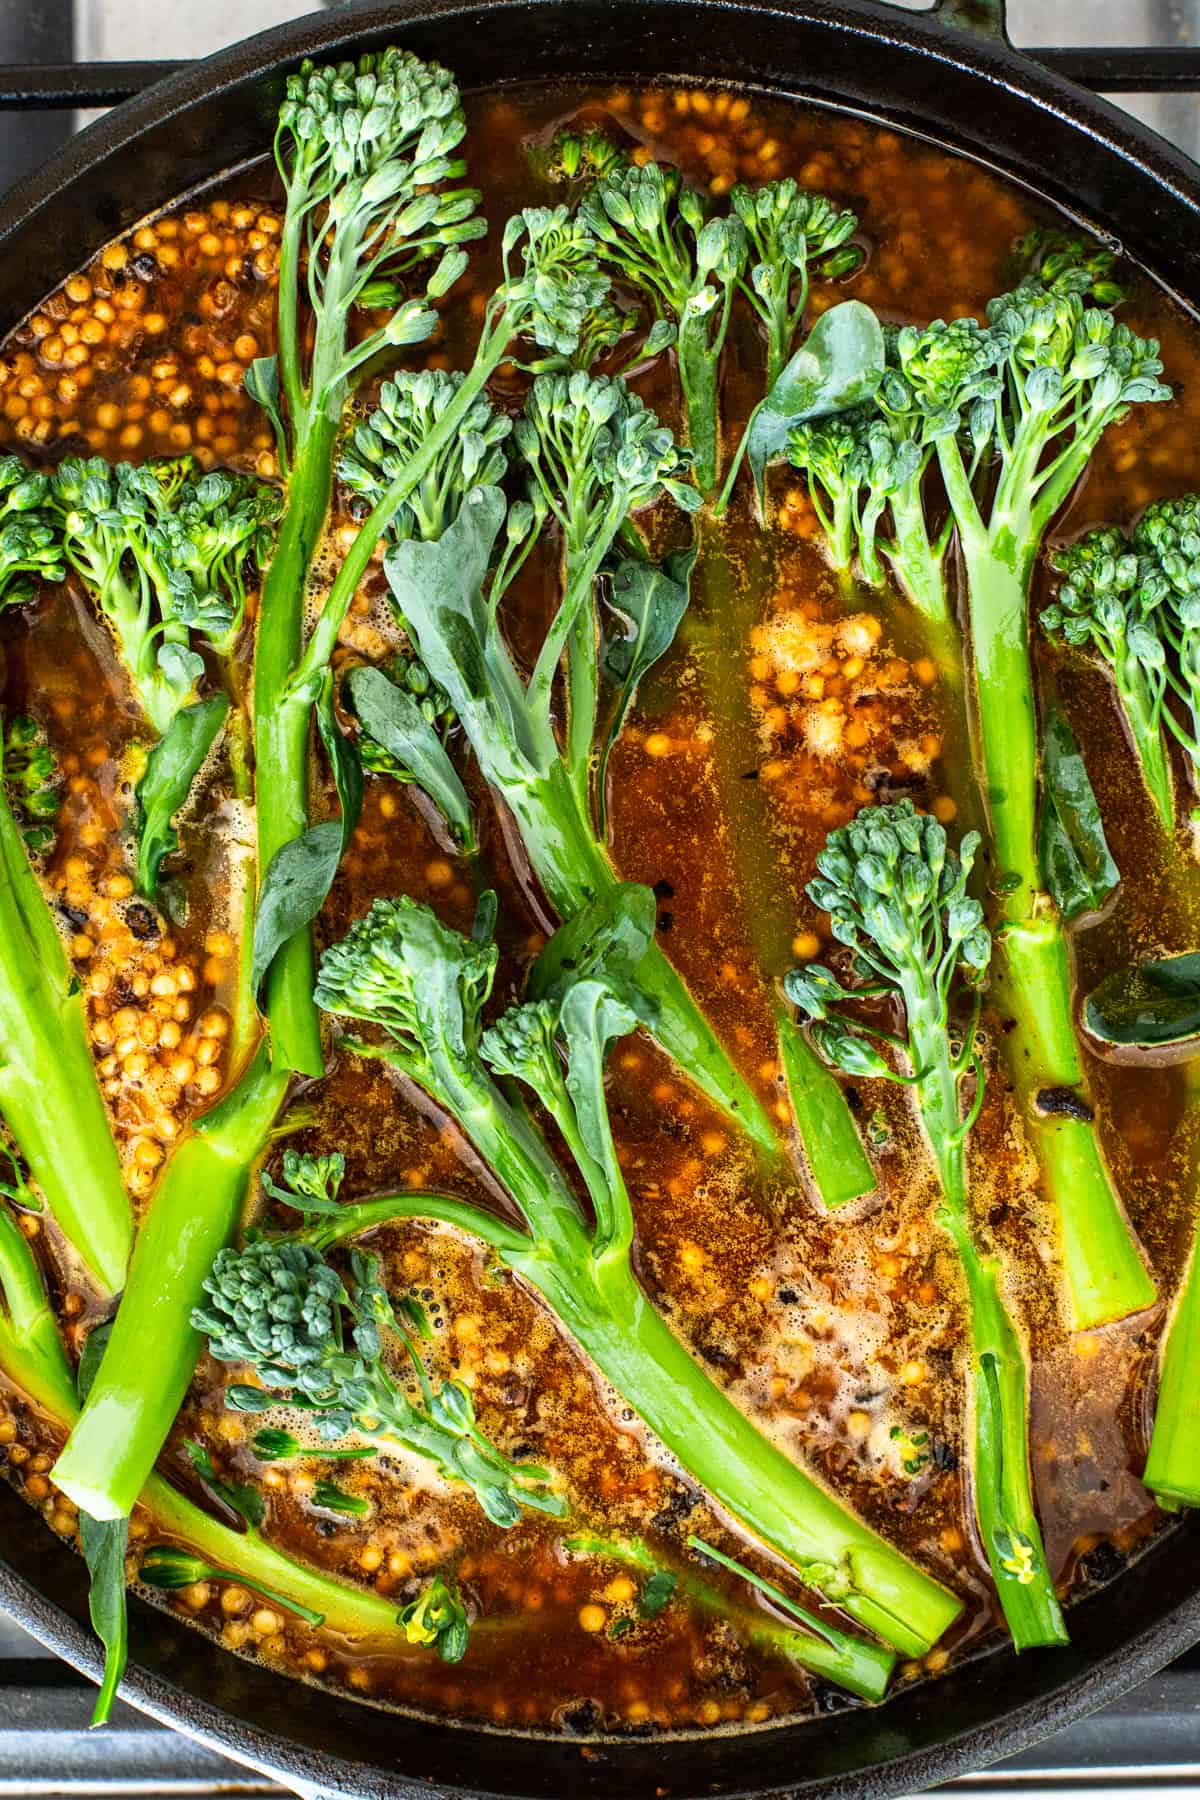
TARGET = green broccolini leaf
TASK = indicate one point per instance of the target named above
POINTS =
(335, 1499)
(301, 873)
(1147, 1005)
(840, 365)
(171, 768)
(658, 1593)
(1072, 848)
(605, 940)
(104, 1543)
(649, 603)
(261, 382)
(394, 723)
(241, 1497)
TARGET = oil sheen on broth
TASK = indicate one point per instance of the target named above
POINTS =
(789, 700)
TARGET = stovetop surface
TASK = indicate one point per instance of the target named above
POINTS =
(1147, 1743)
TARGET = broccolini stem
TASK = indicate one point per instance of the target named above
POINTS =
(998, 579)
(583, 678)
(918, 567)
(615, 1324)
(1173, 1466)
(281, 729)
(574, 869)
(192, 1215)
(1003, 1493)
(368, 1215)
(31, 1351)
(1105, 1274)
(589, 1285)
(854, 1663)
(699, 366)
(1143, 716)
(49, 1095)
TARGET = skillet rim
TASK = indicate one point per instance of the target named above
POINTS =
(877, 29)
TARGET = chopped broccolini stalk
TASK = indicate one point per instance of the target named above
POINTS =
(509, 722)
(653, 232)
(134, 1399)
(437, 1619)
(896, 896)
(278, 1307)
(1022, 400)
(425, 987)
(853, 1663)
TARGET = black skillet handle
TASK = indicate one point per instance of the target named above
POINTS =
(985, 18)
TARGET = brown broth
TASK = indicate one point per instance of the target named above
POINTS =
(790, 699)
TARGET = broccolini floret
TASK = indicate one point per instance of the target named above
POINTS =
(596, 455)
(654, 231)
(280, 1308)
(163, 550)
(896, 897)
(31, 554)
(789, 232)
(31, 780)
(381, 449)
(1108, 601)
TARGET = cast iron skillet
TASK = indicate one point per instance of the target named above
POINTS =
(964, 89)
